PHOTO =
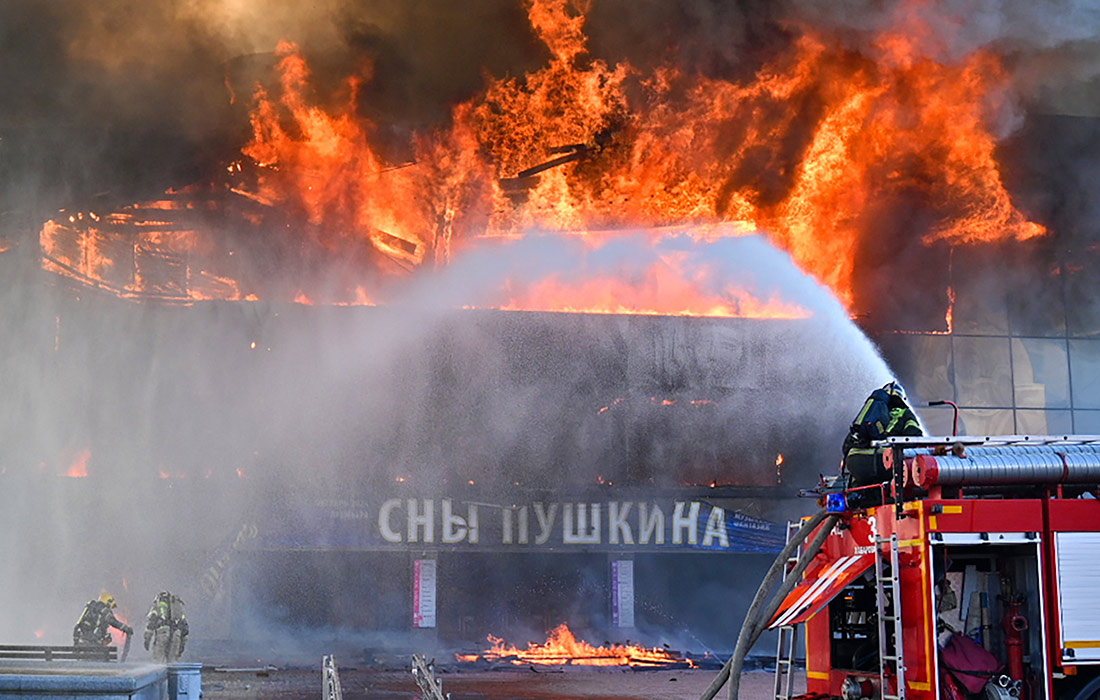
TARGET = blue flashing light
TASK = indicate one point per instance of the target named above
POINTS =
(836, 503)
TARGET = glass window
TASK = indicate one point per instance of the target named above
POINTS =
(1086, 422)
(932, 354)
(983, 373)
(1034, 422)
(1082, 290)
(1035, 305)
(985, 421)
(1040, 372)
(937, 420)
(923, 364)
(980, 304)
(1084, 367)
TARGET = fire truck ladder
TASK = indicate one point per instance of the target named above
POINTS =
(887, 584)
(788, 634)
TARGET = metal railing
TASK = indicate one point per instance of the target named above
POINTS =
(53, 653)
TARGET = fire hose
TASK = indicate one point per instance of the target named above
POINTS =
(759, 612)
(1009, 464)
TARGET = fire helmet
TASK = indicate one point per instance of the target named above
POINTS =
(895, 391)
(108, 599)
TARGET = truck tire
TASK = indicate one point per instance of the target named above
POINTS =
(1091, 690)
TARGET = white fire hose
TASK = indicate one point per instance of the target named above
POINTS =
(759, 613)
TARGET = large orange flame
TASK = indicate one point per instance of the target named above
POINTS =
(323, 164)
(819, 150)
(801, 151)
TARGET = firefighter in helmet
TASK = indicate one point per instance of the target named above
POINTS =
(885, 413)
(92, 628)
(166, 628)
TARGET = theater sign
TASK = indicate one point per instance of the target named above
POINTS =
(568, 525)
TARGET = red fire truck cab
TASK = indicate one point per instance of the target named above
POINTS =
(973, 572)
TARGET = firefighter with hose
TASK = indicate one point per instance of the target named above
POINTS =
(166, 628)
(885, 414)
(92, 629)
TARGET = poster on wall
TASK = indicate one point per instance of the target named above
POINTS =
(622, 593)
(424, 593)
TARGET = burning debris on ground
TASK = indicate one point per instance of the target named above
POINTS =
(562, 648)
(546, 298)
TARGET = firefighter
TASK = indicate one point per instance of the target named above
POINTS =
(885, 414)
(166, 628)
(92, 628)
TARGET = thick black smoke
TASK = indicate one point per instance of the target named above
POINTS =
(133, 95)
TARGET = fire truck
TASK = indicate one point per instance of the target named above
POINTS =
(972, 571)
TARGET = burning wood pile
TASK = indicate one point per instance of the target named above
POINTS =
(562, 648)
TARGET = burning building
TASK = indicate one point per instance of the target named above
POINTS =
(588, 319)
(347, 442)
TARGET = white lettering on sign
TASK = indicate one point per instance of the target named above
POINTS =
(744, 522)
(626, 523)
(546, 521)
(473, 535)
(384, 527)
(423, 521)
(716, 528)
(455, 527)
(651, 524)
(618, 530)
(523, 537)
(517, 533)
(689, 522)
(587, 524)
